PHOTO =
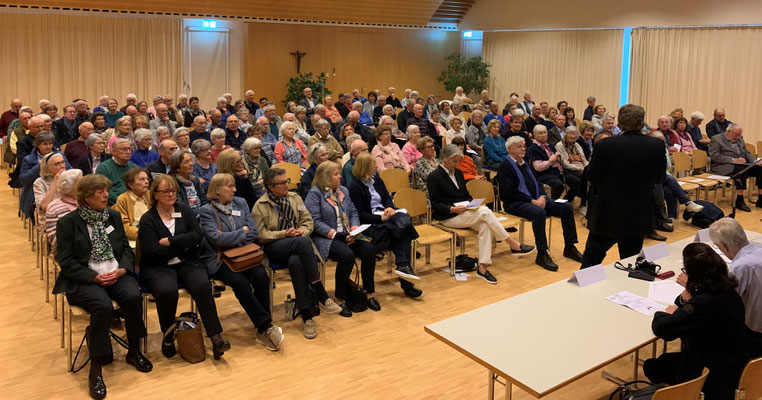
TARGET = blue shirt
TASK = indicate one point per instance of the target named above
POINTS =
(747, 268)
(489, 117)
(494, 148)
(375, 198)
(141, 158)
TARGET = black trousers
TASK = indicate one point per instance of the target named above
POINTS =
(298, 254)
(598, 244)
(256, 303)
(96, 300)
(581, 184)
(538, 216)
(755, 171)
(573, 180)
(555, 181)
(163, 285)
(344, 255)
(399, 241)
(660, 208)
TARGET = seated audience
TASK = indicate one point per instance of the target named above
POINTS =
(330, 110)
(410, 149)
(447, 187)
(65, 201)
(133, 203)
(115, 167)
(476, 133)
(547, 165)
(694, 128)
(190, 191)
(123, 129)
(679, 136)
(97, 270)
(426, 164)
(708, 317)
(51, 167)
(30, 169)
(585, 139)
(182, 138)
(599, 111)
(234, 136)
(494, 146)
(170, 237)
(289, 149)
(96, 146)
(284, 226)
(439, 128)
(316, 154)
(388, 154)
(525, 197)
(574, 162)
(346, 130)
(446, 113)
(719, 124)
(203, 168)
(556, 131)
(161, 164)
(456, 129)
(143, 155)
(227, 224)
(729, 155)
(571, 119)
(231, 162)
(516, 127)
(77, 149)
(323, 136)
(191, 113)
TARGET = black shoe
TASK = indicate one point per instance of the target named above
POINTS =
(546, 262)
(655, 236)
(373, 304)
(139, 361)
(573, 253)
(741, 205)
(97, 387)
(665, 226)
(168, 349)
(511, 229)
(487, 276)
(345, 311)
(219, 348)
(523, 249)
(406, 272)
(413, 293)
(379, 256)
(758, 204)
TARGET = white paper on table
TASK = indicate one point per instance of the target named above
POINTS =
(461, 276)
(664, 291)
(501, 219)
(359, 229)
(475, 203)
(694, 180)
(635, 302)
(719, 177)
(561, 200)
(722, 255)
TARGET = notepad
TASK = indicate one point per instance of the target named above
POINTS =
(473, 204)
(359, 229)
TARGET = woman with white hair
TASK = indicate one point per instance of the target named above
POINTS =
(289, 149)
(64, 202)
(182, 138)
(574, 162)
(203, 168)
(457, 128)
(218, 143)
(96, 147)
(123, 129)
(143, 155)
(460, 98)
(300, 119)
(256, 166)
(445, 113)
(410, 149)
(51, 167)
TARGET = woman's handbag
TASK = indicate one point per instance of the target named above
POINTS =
(356, 297)
(629, 391)
(190, 341)
(239, 258)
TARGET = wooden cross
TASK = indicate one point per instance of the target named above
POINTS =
(298, 56)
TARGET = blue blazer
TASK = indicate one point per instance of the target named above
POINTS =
(324, 217)
(228, 238)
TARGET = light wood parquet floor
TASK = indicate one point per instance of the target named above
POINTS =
(373, 355)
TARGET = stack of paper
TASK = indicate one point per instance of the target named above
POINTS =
(472, 205)
(637, 303)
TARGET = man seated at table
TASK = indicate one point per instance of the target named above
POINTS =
(729, 156)
(728, 235)
(525, 197)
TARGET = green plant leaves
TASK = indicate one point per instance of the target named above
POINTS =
(472, 74)
(295, 87)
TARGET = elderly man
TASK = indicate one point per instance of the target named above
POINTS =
(527, 105)
(131, 112)
(175, 114)
(115, 167)
(533, 118)
(525, 197)
(20, 132)
(392, 99)
(130, 100)
(363, 117)
(355, 148)
(161, 164)
(729, 156)
(663, 126)
(484, 100)
(162, 119)
(268, 139)
(556, 133)
(250, 102)
(608, 126)
(82, 111)
(694, 128)
(76, 149)
(423, 124)
(215, 120)
(405, 115)
(234, 136)
(516, 127)
(273, 120)
(717, 125)
(308, 102)
(494, 113)
(65, 128)
(199, 130)
(353, 119)
(547, 165)
(589, 111)
(102, 104)
(728, 235)
(9, 116)
(378, 112)
(191, 112)
(357, 97)
(25, 145)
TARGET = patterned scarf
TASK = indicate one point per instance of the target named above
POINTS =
(571, 150)
(190, 191)
(101, 245)
(336, 199)
(226, 209)
(286, 216)
(252, 167)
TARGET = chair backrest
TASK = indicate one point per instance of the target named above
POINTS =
(690, 390)
(751, 149)
(682, 162)
(481, 189)
(750, 386)
(63, 146)
(395, 179)
(413, 200)
(293, 172)
(759, 146)
(700, 159)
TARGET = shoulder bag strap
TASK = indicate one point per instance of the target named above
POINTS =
(219, 229)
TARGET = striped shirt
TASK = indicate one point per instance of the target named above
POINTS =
(56, 210)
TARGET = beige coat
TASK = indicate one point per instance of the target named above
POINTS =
(266, 218)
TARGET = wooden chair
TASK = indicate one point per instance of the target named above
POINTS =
(293, 172)
(682, 165)
(414, 201)
(479, 189)
(395, 179)
(750, 386)
(752, 149)
(690, 390)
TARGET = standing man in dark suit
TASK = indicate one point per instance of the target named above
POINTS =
(308, 102)
(624, 171)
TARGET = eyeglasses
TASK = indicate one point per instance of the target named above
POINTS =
(167, 191)
(682, 270)
(284, 183)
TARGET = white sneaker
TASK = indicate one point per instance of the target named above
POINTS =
(692, 207)
(271, 338)
(582, 210)
(310, 331)
(330, 306)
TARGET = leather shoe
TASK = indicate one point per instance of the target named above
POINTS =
(168, 349)
(219, 348)
(741, 205)
(139, 361)
(97, 387)
(373, 304)
(665, 226)
(546, 262)
(345, 311)
(523, 249)
(573, 253)
(655, 236)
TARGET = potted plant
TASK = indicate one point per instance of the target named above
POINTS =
(295, 87)
(472, 74)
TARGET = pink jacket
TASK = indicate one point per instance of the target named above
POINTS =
(411, 153)
(389, 157)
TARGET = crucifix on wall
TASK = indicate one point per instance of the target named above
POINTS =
(298, 56)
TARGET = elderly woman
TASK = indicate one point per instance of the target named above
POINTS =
(256, 165)
(467, 164)
(170, 237)
(243, 117)
(112, 114)
(456, 128)
(334, 218)
(316, 154)
(323, 135)
(162, 134)
(331, 111)
(476, 133)
(599, 111)
(585, 140)
(123, 129)
(574, 162)
(300, 119)
(369, 107)
(289, 149)
(410, 149)
(346, 130)
(426, 164)
(97, 267)
(709, 318)
(231, 162)
(494, 145)
(546, 163)
(143, 155)
(439, 124)
(681, 137)
(99, 122)
(31, 170)
(460, 98)
(203, 168)
(51, 167)
(182, 138)
(218, 144)
(143, 109)
(96, 146)
(190, 191)
(388, 154)
(133, 203)
(398, 136)
(448, 187)
(284, 226)
(65, 201)
(227, 224)
(446, 113)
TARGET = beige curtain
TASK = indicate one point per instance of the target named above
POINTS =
(63, 57)
(699, 69)
(556, 65)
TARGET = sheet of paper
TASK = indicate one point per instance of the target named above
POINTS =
(654, 252)
(719, 177)
(501, 219)
(681, 183)
(561, 200)
(694, 180)
(475, 203)
(637, 303)
(401, 210)
(664, 291)
(471, 151)
(461, 276)
(677, 146)
(359, 229)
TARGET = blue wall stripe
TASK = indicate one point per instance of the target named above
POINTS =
(624, 85)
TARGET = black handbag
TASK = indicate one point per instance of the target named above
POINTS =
(356, 297)
(629, 391)
(464, 263)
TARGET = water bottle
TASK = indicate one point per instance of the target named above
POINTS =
(289, 304)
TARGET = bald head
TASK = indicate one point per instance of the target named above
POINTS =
(357, 147)
(16, 105)
(85, 129)
(353, 116)
(35, 125)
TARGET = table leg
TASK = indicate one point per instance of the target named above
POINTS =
(491, 386)
(508, 390)
(635, 365)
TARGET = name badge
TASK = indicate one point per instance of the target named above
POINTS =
(236, 213)
(301, 207)
(176, 215)
(109, 229)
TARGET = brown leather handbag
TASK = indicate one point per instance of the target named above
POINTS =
(190, 341)
(239, 258)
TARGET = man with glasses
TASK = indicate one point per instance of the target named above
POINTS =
(161, 164)
(115, 168)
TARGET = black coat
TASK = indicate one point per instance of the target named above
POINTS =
(623, 171)
(85, 164)
(360, 196)
(182, 196)
(62, 134)
(509, 184)
(443, 193)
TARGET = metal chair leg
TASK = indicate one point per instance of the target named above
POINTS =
(145, 321)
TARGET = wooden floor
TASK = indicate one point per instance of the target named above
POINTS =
(373, 355)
